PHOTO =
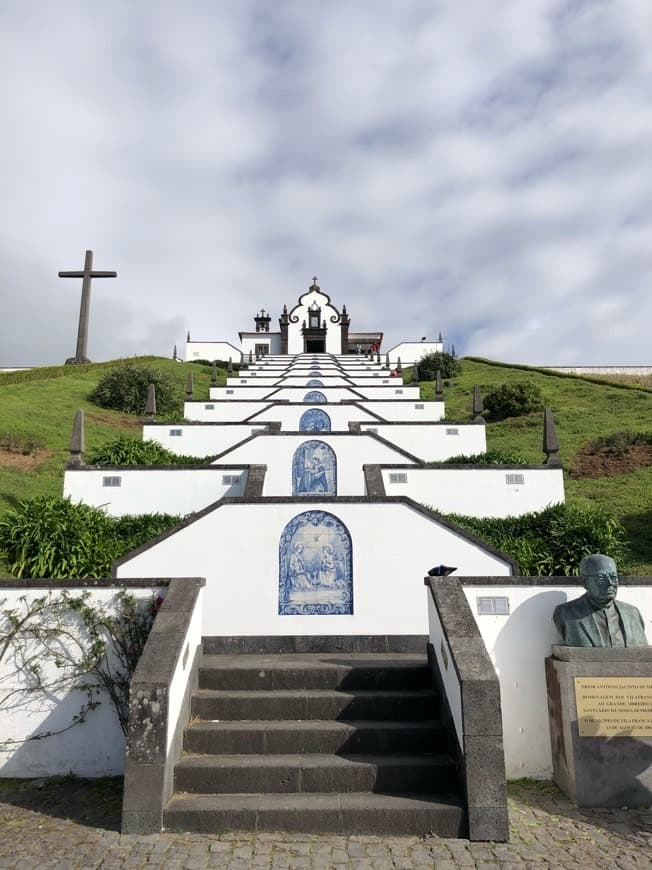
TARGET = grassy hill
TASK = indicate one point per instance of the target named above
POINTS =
(41, 404)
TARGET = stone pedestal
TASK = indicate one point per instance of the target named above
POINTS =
(603, 757)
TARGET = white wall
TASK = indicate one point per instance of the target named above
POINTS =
(271, 339)
(518, 645)
(602, 370)
(207, 440)
(222, 412)
(277, 451)
(431, 443)
(389, 596)
(211, 350)
(479, 491)
(447, 671)
(152, 490)
(392, 391)
(412, 351)
(399, 410)
(95, 748)
(290, 415)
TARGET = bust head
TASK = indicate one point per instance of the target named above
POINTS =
(600, 579)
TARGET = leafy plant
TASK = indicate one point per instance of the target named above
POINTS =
(513, 399)
(51, 537)
(551, 542)
(491, 457)
(134, 451)
(618, 443)
(447, 364)
(124, 388)
(68, 643)
(12, 442)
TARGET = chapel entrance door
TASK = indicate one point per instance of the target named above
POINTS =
(314, 345)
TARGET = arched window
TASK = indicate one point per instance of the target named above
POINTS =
(315, 396)
(314, 420)
(314, 469)
(315, 566)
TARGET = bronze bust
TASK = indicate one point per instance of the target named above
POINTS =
(596, 619)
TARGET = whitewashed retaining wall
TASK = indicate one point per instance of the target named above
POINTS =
(211, 350)
(518, 645)
(433, 443)
(96, 748)
(393, 546)
(412, 351)
(290, 415)
(222, 412)
(399, 411)
(153, 490)
(277, 451)
(479, 491)
(206, 440)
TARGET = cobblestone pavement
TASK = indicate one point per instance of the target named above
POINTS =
(75, 824)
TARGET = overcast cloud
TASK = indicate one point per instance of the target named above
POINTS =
(480, 168)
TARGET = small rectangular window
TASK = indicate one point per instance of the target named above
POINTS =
(418, 407)
(399, 392)
(385, 382)
(452, 431)
(111, 481)
(175, 433)
(230, 479)
(490, 605)
(229, 392)
(195, 353)
(243, 380)
(514, 479)
(376, 375)
(397, 477)
(209, 407)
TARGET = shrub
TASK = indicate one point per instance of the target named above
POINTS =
(25, 444)
(491, 457)
(133, 451)
(513, 399)
(446, 363)
(618, 443)
(553, 541)
(52, 537)
(124, 388)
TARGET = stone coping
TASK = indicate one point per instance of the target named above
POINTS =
(579, 654)
(573, 580)
(437, 466)
(87, 583)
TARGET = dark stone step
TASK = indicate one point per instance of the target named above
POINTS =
(414, 704)
(265, 774)
(388, 815)
(276, 644)
(222, 738)
(314, 671)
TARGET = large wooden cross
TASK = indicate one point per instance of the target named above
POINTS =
(82, 333)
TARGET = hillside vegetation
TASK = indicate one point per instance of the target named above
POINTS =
(38, 407)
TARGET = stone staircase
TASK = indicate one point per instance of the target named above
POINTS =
(316, 742)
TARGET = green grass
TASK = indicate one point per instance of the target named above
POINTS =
(583, 409)
(45, 406)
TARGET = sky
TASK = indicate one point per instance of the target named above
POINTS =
(478, 168)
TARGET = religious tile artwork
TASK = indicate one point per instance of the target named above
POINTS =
(314, 420)
(315, 566)
(315, 374)
(315, 396)
(314, 383)
(314, 469)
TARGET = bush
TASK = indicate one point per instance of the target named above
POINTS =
(52, 537)
(513, 400)
(25, 444)
(618, 443)
(124, 388)
(553, 541)
(446, 363)
(133, 451)
(491, 457)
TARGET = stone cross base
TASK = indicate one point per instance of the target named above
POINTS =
(601, 724)
(77, 360)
